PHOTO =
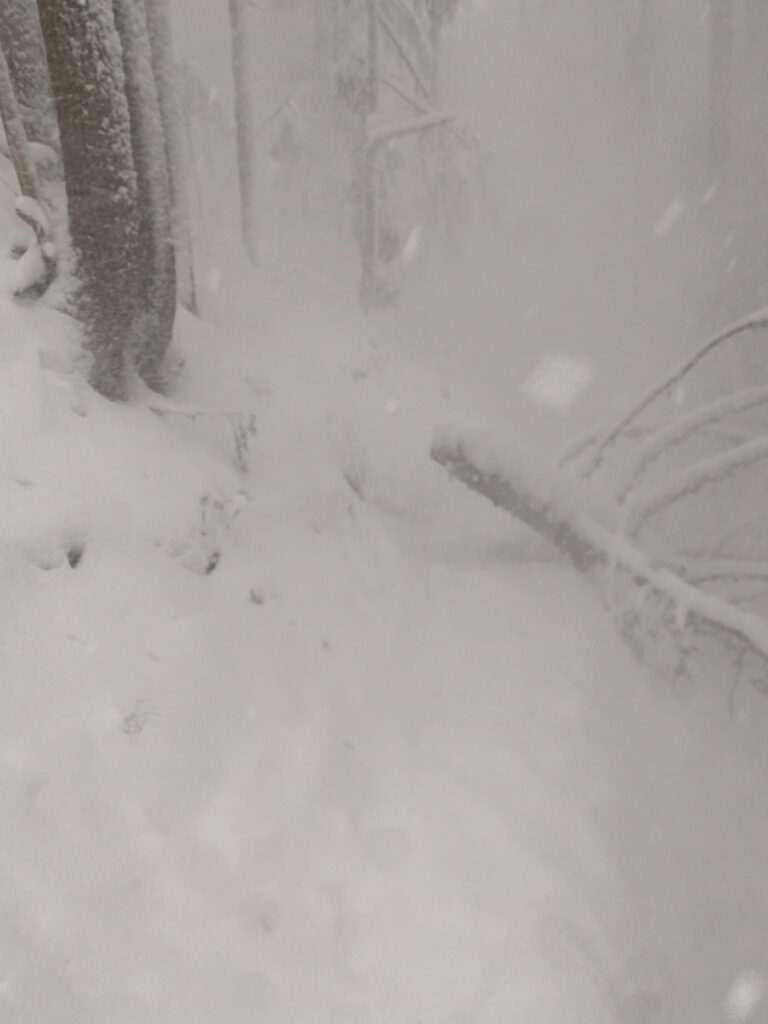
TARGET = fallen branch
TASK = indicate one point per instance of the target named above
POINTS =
(488, 467)
(242, 425)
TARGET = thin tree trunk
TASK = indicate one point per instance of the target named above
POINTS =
(16, 136)
(244, 120)
(368, 198)
(161, 41)
(154, 324)
(22, 42)
(88, 84)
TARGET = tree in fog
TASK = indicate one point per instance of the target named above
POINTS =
(160, 38)
(22, 43)
(391, 76)
(244, 126)
(156, 263)
(88, 83)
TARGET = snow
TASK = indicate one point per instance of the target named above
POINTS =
(314, 735)
(373, 766)
(32, 212)
(669, 218)
(557, 381)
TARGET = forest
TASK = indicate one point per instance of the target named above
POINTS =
(383, 489)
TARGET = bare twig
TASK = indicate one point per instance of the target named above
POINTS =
(690, 480)
(392, 36)
(378, 134)
(753, 322)
(675, 432)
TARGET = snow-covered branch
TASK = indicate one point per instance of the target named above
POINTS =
(488, 467)
(686, 482)
(713, 569)
(674, 433)
(752, 322)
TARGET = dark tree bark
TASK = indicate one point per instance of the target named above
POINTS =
(161, 42)
(244, 123)
(88, 85)
(21, 40)
(157, 283)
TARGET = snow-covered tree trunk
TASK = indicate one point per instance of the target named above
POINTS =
(154, 324)
(22, 42)
(16, 136)
(88, 84)
(161, 41)
(506, 479)
(244, 123)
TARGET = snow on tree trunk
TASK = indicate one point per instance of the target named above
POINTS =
(18, 144)
(88, 85)
(161, 41)
(154, 324)
(244, 121)
(22, 42)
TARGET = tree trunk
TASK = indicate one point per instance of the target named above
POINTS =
(368, 189)
(22, 42)
(154, 324)
(486, 466)
(88, 84)
(18, 144)
(161, 41)
(244, 121)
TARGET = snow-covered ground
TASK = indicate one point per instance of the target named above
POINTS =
(329, 740)
(295, 731)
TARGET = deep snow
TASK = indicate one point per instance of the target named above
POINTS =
(331, 741)
(387, 762)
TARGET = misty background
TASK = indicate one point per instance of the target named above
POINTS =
(609, 217)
